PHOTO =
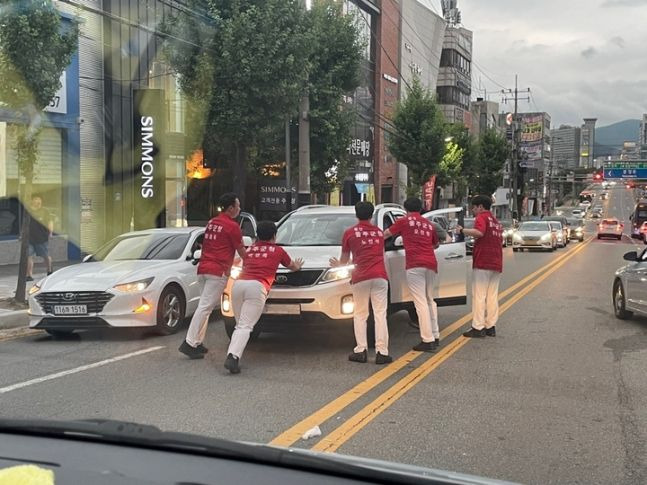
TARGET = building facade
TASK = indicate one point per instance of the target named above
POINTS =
(587, 143)
(642, 137)
(484, 116)
(454, 86)
(565, 147)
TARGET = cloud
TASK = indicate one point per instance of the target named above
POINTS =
(617, 40)
(588, 53)
(624, 3)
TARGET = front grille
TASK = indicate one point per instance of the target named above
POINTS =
(72, 322)
(299, 278)
(289, 301)
(95, 300)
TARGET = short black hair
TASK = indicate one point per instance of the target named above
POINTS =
(266, 230)
(227, 200)
(413, 204)
(483, 200)
(364, 211)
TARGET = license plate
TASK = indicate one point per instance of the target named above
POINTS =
(278, 309)
(70, 309)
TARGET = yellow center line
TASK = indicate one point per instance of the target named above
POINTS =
(294, 433)
(354, 424)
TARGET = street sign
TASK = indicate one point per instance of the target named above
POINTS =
(625, 173)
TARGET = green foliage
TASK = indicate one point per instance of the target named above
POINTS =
(493, 152)
(451, 166)
(419, 139)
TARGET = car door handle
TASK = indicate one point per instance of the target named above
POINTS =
(453, 256)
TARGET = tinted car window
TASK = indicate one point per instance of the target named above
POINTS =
(143, 246)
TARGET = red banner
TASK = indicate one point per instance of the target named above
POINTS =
(428, 193)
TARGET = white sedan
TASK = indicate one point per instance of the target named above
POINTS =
(139, 279)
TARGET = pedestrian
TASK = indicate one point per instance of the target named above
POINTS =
(420, 239)
(252, 286)
(222, 238)
(369, 283)
(487, 265)
(41, 228)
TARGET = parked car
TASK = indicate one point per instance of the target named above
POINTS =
(630, 286)
(534, 235)
(610, 228)
(561, 234)
(576, 229)
(319, 292)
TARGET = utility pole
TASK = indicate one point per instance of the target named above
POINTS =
(516, 130)
(288, 179)
(303, 197)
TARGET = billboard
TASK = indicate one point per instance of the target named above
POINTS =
(532, 127)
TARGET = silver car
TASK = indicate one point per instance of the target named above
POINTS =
(630, 286)
(534, 235)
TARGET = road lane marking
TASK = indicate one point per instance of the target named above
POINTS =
(332, 441)
(76, 370)
(294, 433)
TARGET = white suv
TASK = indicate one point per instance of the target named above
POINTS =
(315, 234)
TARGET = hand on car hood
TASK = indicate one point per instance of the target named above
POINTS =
(314, 257)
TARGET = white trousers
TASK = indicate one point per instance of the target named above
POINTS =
(375, 291)
(421, 285)
(248, 300)
(209, 298)
(485, 298)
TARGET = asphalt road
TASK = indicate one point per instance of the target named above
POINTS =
(556, 397)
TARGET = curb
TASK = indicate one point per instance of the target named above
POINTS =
(14, 319)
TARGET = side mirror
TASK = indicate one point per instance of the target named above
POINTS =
(398, 242)
(197, 254)
(247, 241)
(631, 256)
(87, 258)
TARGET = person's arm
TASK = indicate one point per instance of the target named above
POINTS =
(345, 253)
(50, 226)
(237, 239)
(295, 264)
(480, 226)
(475, 233)
(395, 229)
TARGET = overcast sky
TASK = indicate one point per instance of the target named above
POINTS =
(581, 58)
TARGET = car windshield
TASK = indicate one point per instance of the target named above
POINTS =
(142, 246)
(610, 222)
(556, 225)
(576, 222)
(534, 226)
(507, 224)
(314, 229)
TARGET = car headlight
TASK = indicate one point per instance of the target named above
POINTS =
(336, 274)
(35, 288)
(578, 230)
(134, 286)
(518, 238)
(546, 237)
(235, 272)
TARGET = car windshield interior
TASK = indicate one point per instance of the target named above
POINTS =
(314, 229)
(610, 222)
(534, 226)
(142, 246)
(556, 225)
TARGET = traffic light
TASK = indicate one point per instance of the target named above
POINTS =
(598, 176)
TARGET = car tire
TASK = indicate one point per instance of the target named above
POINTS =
(619, 302)
(58, 333)
(230, 326)
(171, 310)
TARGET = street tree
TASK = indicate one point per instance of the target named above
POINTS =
(493, 151)
(35, 48)
(243, 71)
(419, 135)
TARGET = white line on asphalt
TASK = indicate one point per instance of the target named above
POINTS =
(76, 370)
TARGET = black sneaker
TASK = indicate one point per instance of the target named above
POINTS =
(490, 332)
(473, 333)
(29, 278)
(231, 364)
(383, 359)
(427, 346)
(360, 357)
(202, 349)
(191, 352)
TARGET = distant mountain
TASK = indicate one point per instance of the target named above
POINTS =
(613, 136)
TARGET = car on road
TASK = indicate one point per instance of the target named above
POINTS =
(534, 235)
(561, 233)
(576, 229)
(565, 226)
(578, 213)
(610, 228)
(509, 227)
(630, 286)
(319, 293)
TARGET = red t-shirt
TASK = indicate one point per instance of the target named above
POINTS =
(420, 239)
(366, 244)
(262, 261)
(221, 239)
(488, 250)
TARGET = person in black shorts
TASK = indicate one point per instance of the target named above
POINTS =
(41, 227)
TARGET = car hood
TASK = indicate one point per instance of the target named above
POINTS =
(101, 275)
(532, 233)
(314, 257)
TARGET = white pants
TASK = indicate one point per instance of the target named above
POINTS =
(209, 298)
(485, 298)
(377, 292)
(421, 286)
(248, 300)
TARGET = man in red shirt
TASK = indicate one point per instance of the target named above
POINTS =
(365, 242)
(252, 286)
(222, 238)
(420, 239)
(487, 265)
